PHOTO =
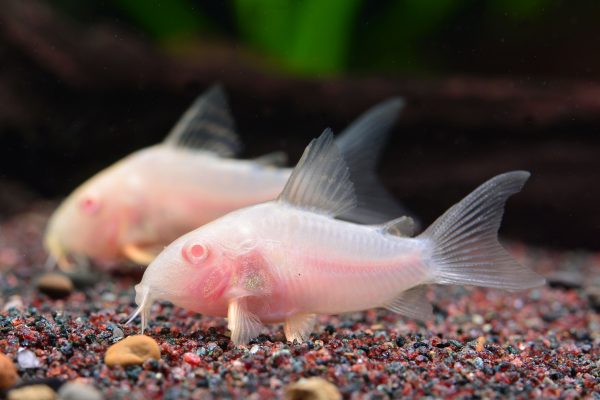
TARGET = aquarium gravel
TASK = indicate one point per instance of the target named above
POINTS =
(542, 343)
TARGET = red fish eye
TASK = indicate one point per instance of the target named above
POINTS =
(90, 205)
(194, 253)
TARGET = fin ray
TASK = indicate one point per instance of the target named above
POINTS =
(274, 159)
(465, 248)
(412, 303)
(403, 226)
(299, 327)
(321, 180)
(242, 323)
(361, 145)
(139, 254)
(207, 125)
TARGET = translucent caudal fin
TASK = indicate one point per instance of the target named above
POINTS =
(464, 240)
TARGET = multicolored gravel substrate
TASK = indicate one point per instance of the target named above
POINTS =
(543, 343)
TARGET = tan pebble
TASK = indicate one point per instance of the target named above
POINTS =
(14, 302)
(33, 392)
(78, 391)
(132, 350)
(480, 343)
(8, 372)
(312, 389)
(55, 285)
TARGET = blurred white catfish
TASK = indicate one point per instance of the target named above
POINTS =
(288, 260)
(134, 208)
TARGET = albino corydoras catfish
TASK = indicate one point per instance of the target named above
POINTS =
(140, 204)
(289, 259)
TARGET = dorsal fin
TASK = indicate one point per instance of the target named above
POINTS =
(207, 125)
(403, 226)
(321, 180)
(362, 144)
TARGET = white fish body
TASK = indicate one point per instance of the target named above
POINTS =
(134, 208)
(315, 260)
(178, 197)
(290, 259)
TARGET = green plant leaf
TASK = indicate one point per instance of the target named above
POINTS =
(165, 19)
(266, 24)
(322, 37)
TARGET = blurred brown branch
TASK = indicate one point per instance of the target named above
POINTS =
(73, 98)
(105, 57)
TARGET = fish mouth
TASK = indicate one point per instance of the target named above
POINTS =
(59, 257)
(144, 302)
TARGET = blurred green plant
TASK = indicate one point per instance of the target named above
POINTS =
(316, 37)
(309, 36)
(403, 25)
(519, 8)
(166, 20)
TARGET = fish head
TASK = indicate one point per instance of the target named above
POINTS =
(87, 223)
(193, 272)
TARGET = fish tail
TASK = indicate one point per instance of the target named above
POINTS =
(464, 240)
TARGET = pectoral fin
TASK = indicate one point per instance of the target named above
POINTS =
(299, 327)
(140, 254)
(242, 323)
(71, 263)
(64, 264)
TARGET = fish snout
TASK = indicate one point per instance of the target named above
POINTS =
(55, 249)
(141, 291)
(58, 255)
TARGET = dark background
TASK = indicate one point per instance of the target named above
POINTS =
(491, 86)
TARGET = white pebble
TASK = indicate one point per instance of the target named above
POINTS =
(117, 333)
(27, 359)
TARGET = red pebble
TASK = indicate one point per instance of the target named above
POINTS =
(192, 358)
